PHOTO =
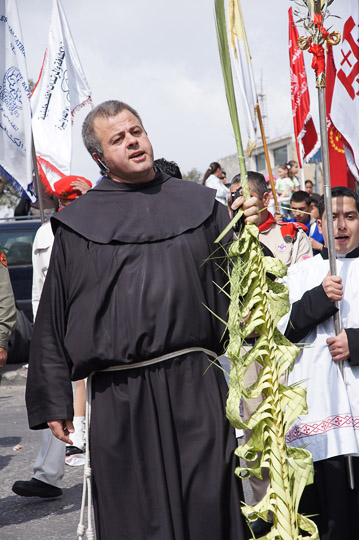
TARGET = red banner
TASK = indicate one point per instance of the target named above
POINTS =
(304, 129)
(339, 172)
(345, 106)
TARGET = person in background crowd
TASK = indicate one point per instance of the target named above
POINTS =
(314, 208)
(49, 467)
(293, 170)
(300, 205)
(49, 199)
(283, 189)
(287, 241)
(309, 186)
(7, 309)
(213, 179)
(169, 167)
(282, 184)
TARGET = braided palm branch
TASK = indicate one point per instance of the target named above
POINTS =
(256, 305)
(290, 469)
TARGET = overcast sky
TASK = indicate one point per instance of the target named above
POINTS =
(161, 57)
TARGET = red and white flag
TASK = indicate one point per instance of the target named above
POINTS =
(62, 88)
(15, 111)
(345, 105)
(340, 174)
(304, 129)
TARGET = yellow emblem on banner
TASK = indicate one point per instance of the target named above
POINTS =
(334, 137)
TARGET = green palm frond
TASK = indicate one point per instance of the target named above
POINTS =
(225, 58)
(256, 305)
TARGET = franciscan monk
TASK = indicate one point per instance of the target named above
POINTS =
(130, 281)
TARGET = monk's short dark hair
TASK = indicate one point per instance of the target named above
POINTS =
(107, 109)
(338, 191)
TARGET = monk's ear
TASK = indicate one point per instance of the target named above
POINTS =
(96, 157)
(320, 226)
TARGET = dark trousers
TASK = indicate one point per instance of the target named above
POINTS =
(336, 506)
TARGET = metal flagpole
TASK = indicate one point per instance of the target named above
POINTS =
(317, 50)
(302, 177)
(37, 179)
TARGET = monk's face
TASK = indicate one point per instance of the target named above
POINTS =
(345, 223)
(126, 149)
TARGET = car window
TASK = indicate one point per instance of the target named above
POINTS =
(17, 246)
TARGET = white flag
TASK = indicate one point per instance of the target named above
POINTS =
(61, 90)
(345, 103)
(241, 60)
(15, 111)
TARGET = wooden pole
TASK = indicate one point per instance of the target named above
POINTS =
(269, 166)
(321, 84)
(37, 179)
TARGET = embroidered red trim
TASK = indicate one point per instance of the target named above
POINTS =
(323, 426)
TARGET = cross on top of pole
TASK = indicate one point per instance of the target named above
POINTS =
(318, 36)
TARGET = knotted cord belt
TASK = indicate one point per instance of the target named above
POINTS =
(86, 490)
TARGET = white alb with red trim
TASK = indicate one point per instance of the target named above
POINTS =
(345, 103)
(331, 426)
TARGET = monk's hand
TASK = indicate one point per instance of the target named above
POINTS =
(333, 287)
(62, 429)
(339, 347)
(3, 356)
(249, 207)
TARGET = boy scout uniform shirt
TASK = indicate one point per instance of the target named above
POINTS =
(290, 246)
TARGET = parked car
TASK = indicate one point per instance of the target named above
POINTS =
(16, 239)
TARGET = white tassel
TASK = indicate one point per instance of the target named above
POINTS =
(86, 488)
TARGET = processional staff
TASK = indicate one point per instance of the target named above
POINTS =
(314, 44)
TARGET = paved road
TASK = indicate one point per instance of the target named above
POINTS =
(31, 518)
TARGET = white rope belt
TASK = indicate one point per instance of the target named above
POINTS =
(86, 490)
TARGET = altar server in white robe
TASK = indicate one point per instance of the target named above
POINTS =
(330, 430)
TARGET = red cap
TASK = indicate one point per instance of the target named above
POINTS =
(65, 190)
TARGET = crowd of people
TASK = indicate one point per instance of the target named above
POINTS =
(130, 305)
(296, 205)
(329, 430)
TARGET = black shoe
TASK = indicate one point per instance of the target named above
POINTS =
(35, 488)
(72, 450)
